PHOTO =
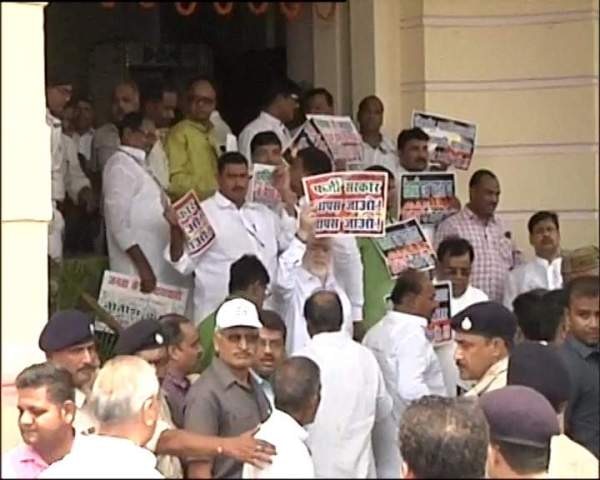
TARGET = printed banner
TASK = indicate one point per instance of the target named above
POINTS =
(452, 141)
(439, 330)
(336, 136)
(121, 297)
(348, 203)
(428, 197)
(194, 223)
(405, 246)
(262, 190)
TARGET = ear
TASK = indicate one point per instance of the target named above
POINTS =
(172, 352)
(216, 342)
(405, 471)
(150, 409)
(68, 411)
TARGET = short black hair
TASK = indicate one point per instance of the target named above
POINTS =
(230, 158)
(479, 175)
(132, 121)
(153, 91)
(409, 134)
(199, 78)
(528, 309)
(264, 138)
(272, 321)
(58, 382)
(455, 247)
(314, 161)
(587, 286)
(552, 314)
(313, 92)
(171, 323)
(381, 168)
(323, 311)
(367, 99)
(245, 271)
(444, 437)
(540, 217)
(410, 281)
(523, 459)
(279, 86)
(295, 382)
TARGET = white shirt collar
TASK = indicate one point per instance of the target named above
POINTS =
(395, 315)
(288, 423)
(51, 120)
(545, 263)
(268, 118)
(137, 153)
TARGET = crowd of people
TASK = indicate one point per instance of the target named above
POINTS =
(298, 356)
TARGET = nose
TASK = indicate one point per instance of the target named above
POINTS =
(457, 354)
(243, 343)
(26, 418)
(268, 347)
(87, 356)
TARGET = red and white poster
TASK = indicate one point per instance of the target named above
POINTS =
(199, 233)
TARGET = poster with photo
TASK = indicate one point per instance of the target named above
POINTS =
(335, 135)
(452, 141)
(348, 203)
(428, 197)
(262, 189)
(405, 245)
(439, 330)
(121, 297)
(198, 231)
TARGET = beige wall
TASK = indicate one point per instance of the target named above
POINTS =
(525, 71)
(26, 207)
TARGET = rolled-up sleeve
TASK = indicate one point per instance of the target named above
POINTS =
(120, 186)
(185, 265)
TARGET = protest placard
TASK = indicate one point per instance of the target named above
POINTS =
(403, 246)
(193, 221)
(121, 297)
(336, 136)
(428, 197)
(439, 330)
(262, 189)
(348, 203)
(452, 141)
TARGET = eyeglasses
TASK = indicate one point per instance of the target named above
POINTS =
(233, 337)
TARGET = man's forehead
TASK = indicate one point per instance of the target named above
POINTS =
(269, 333)
(79, 346)
(32, 395)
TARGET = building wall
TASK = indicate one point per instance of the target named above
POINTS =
(525, 71)
(26, 207)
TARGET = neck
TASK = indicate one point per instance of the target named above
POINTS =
(405, 309)
(484, 218)
(373, 138)
(61, 445)
(273, 112)
(241, 374)
(176, 371)
(126, 430)
(298, 416)
(549, 256)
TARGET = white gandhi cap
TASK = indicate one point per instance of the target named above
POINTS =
(237, 312)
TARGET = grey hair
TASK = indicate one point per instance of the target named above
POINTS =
(121, 388)
(295, 382)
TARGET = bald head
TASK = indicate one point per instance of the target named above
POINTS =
(297, 388)
(323, 312)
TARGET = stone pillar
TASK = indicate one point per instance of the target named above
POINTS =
(26, 206)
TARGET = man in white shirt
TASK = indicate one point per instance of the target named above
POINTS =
(125, 99)
(221, 130)
(297, 388)
(454, 261)
(377, 149)
(347, 262)
(67, 176)
(544, 270)
(356, 409)
(137, 232)
(270, 351)
(240, 227)
(126, 423)
(409, 364)
(306, 266)
(279, 107)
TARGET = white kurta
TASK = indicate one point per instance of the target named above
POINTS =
(221, 130)
(263, 123)
(538, 273)
(409, 364)
(353, 399)
(384, 155)
(134, 216)
(293, 286)
(102, 456)
(252, 229)
(293, 459)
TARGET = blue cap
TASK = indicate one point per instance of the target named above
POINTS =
(65, 329)
(143, 335)
(488, 319)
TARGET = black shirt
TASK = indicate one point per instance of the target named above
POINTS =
(582, 418)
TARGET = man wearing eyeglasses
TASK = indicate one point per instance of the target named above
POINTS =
(191, 147)
(226, 400)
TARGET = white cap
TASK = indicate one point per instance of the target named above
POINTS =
(237, 312)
